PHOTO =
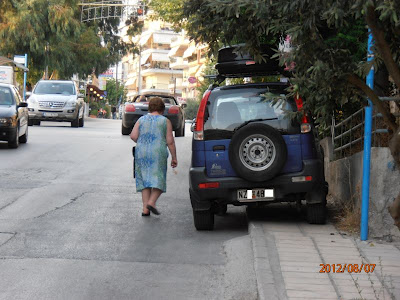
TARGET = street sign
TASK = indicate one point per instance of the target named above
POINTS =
(20, 59)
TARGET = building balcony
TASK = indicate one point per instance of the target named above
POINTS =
(179, 41)
(154, 71)
(178, 63)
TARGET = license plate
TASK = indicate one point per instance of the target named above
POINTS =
(48, 114)
(255, 194)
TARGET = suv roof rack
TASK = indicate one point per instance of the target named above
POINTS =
(233, 63)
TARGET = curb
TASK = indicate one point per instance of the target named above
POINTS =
(267, 287)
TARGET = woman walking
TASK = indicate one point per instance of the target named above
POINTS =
(153, 134)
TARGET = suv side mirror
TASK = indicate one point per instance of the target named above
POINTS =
(23, 104)
(183, 105)
(193, 125)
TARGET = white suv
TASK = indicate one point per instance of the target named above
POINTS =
(56, 100)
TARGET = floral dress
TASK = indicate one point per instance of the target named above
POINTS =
(151, 153)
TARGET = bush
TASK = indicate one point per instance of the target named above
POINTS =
(191, 108)
(108, 111)
(94, 112)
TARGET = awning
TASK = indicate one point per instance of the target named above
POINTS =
(144, 58)
(5, 61)
(189, 51)
(144, 39)
(173, 51)
(163, 57)
(162, 38)
(177, 51)
(130, 81)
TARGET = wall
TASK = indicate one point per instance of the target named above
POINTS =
(345, 179)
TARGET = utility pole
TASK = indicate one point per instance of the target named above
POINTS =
(47, 49)
(139, 81)
(367, 147)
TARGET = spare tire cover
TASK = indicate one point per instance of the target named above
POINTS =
(257, 152)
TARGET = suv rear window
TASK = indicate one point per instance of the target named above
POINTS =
(55, 88)
(229, 108)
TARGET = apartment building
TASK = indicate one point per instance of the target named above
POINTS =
(150, 70)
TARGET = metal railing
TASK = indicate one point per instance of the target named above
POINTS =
(349, 133)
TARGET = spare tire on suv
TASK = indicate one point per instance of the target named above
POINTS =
(257, 152)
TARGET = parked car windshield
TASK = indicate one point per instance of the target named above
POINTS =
(61, 88)
(6, 97)
(232, 107)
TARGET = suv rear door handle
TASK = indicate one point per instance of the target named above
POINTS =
(219, 148)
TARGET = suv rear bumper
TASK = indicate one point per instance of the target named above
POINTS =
(227, 192)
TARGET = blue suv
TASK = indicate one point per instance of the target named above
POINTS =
(247, 151)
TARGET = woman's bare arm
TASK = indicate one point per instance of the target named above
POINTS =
(135, 132)
(171, 144)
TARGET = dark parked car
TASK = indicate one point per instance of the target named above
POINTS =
(247, 151)
(13, 116)
(140, 106)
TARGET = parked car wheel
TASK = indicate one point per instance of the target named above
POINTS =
(257, 152)
(203, 219)
(36, 122)
(24, 138)
(14, 139)
(181, 131)
(30, 122)
(75, 123)
(125, 130)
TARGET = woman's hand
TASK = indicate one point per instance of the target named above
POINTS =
(174, 163)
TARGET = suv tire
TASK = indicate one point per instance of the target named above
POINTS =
(75, 123)
(125, 130)
(82, 122)
(203, 219)
(316, 213)
(257, 152)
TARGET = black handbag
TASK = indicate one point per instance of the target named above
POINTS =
(133, 153)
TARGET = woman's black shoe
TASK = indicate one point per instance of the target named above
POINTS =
(145, 215)
(153, 209)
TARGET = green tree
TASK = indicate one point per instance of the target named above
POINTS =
(114, 92)
(51, 33)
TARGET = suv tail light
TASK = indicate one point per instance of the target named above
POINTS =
(173, 110)
(130, 108)
(305, 121)
(209, 185)
(198, 133)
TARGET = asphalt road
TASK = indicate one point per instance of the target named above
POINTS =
(71, 225)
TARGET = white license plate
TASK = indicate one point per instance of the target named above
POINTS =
(48, 114)
(255, 194)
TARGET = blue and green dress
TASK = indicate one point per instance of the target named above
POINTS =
(151, 153)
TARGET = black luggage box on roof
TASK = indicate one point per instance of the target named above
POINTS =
(232, 63)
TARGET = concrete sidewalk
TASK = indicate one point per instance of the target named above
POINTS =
(288, 254)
